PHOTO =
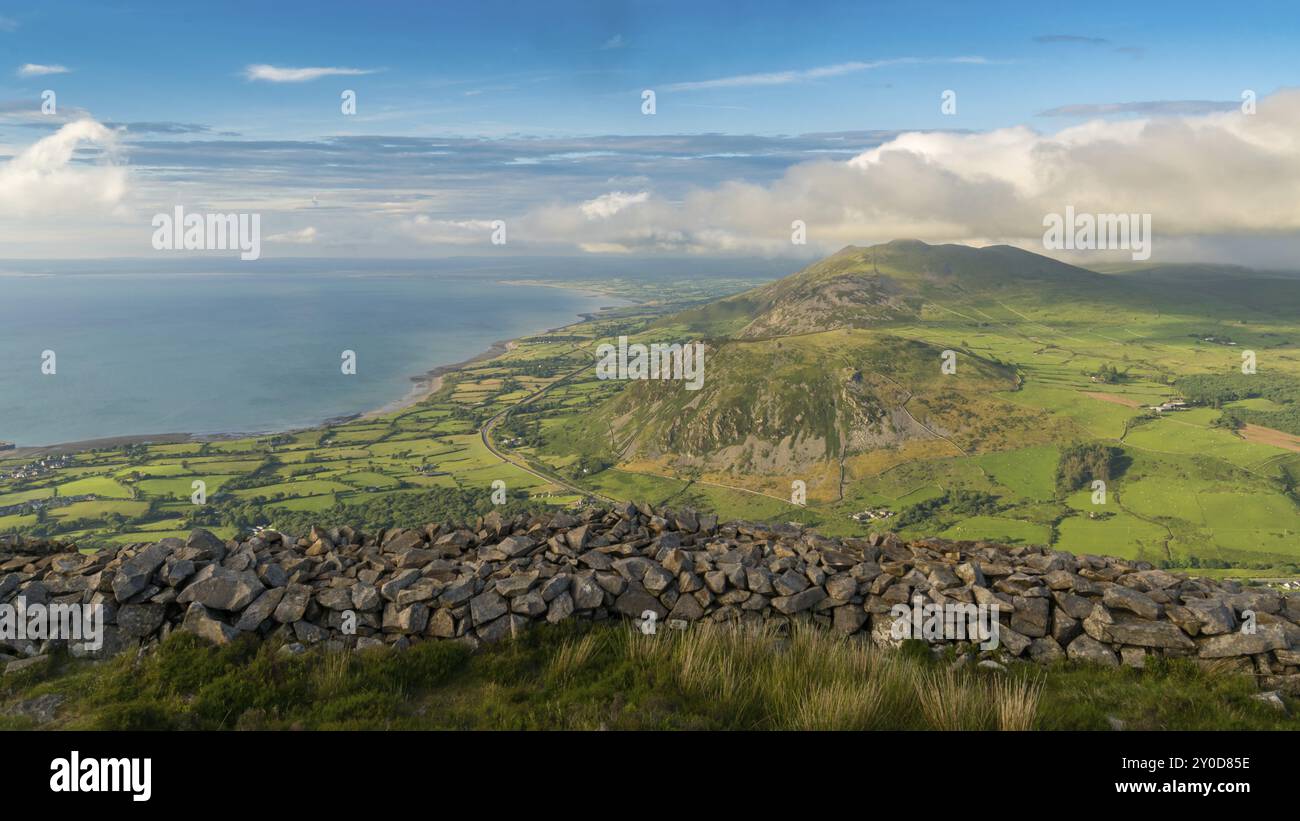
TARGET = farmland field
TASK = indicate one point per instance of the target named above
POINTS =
(1191, 491)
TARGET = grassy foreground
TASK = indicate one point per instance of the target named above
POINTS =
(609, 676)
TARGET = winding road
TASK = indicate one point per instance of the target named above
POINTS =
(486, 434)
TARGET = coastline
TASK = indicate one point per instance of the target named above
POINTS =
(424, 386)
(430, 382)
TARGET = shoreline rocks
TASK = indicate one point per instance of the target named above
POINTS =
(487, 580)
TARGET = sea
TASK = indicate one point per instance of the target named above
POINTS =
(97, 350)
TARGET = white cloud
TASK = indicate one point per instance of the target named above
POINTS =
(776, 78)
(306, 236)
(607, 205)
(429, 230)
(1222, 174)
(8, 24)
(38, 70)
(613, 43)
(43, 179)
(284, 74)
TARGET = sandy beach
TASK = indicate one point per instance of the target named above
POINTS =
(430, 382)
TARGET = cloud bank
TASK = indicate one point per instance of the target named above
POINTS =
(1225, 173)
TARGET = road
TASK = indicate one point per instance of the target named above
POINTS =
(486, 434)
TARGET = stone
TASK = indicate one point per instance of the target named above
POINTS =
(204, 546)
(1030, 616)
(1064, 629)
(686, 609)
(1185, 618)
(1290, 658)
(1076, 607)
(293, 604)
(971, 574)
(586, 593)
(596, 560)
(841, 587)
(513, 546)
(488, 581)
(716, 582)
(406, 620)
(502, 628)
(1133, 657)
(222, 589)
(309, 633)
(261, 610)
(458, 592)
(402, 580)
(1265, 638)
(416, 557)
(442, 624)
(1163, 634)
(30, 663)
(799, 602)
(657, 579)
(635, 601)
(176, 571)
(789, 583)
(1014, 641)
(1086, 648)
(1045, 650)
(487, 606)
(335, 598)
(530, 604)
(366, 597)
(137, 621)
(849, 618)
(1214, 616)
(555, 585)
(133, 576)
(577, 537)
(633, 568)
(1271, 699)
(42, 709)
(560, 608)
(199, 621)
(421, 591)
(1123, 598)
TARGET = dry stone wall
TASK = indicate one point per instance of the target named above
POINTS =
(488, 580)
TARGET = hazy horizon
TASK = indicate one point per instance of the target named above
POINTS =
(414, 131)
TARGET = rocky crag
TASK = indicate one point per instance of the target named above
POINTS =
(486, 581)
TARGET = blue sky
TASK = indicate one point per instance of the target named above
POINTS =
(578, 68)
(469, 111)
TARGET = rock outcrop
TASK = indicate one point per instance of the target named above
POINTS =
(488, 580)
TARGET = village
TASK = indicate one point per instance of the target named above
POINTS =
(41, 467)
(873, 514)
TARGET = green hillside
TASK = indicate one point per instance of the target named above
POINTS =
(831, 377)
(829, 381)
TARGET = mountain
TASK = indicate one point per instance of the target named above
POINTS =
(868, 287)
(813, 369)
